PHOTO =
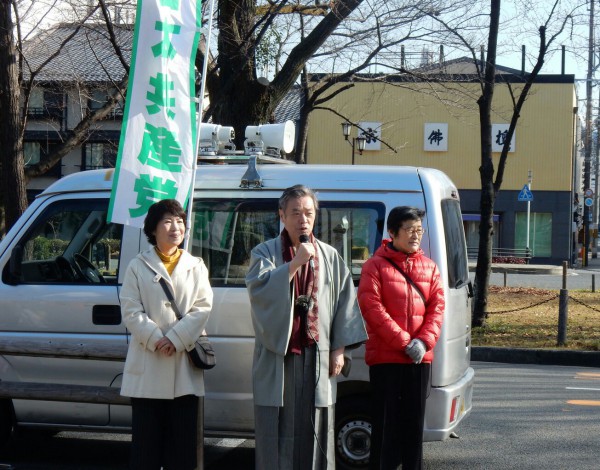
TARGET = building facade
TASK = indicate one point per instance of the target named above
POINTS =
(436, 124)
(72, 70)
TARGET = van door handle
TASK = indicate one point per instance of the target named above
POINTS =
(106, 315)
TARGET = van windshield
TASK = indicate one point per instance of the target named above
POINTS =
(224, 232)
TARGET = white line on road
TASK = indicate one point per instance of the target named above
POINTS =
(583, 388)
(229, 442)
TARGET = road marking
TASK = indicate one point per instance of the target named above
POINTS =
(583, 388)
(584, 402)
(588, 375)
(230, 442)
(219, 448)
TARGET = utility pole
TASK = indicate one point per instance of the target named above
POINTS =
(596, 213)
(588, 137)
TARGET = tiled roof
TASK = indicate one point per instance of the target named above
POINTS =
(88, 56)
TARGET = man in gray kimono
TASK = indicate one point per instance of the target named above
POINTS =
(305, 318)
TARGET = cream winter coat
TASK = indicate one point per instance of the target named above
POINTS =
(148, 315)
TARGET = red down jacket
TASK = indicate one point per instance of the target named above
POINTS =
(394, 311)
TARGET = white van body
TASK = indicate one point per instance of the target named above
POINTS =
(62, 266)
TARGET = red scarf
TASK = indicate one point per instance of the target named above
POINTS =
(305, 283)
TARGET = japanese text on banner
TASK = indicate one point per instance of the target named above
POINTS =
(158, 137)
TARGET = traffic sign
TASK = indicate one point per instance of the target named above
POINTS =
(589, 192)
(525, 195)
(589, 201)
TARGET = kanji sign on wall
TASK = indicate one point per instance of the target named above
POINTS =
(499, 134)
(372, 132)
(435, 137)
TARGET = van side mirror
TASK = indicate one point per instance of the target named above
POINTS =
(470, 289)
(15, 263)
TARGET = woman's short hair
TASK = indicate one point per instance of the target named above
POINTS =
(296, 192)
(399, 215)
(156, 212)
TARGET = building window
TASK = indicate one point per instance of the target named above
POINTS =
(471, 226)
(45, 104)
(99, 155)
(36, 103)
(540, 232)
(34, 152)
(98, 99)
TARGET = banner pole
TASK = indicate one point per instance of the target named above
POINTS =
(199, 123)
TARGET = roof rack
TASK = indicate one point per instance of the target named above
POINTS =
(251, 178)
(241, 158)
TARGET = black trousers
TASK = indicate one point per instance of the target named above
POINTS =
(399, 393)
(164, 433)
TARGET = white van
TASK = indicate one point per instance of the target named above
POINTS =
(62, 266)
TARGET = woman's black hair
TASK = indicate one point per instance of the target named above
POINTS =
(399, 215)
(156, 212)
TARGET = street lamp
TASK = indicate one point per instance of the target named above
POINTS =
(359, 141)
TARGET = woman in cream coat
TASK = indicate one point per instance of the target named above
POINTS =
(158, 375)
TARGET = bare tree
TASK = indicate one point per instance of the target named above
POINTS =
(490, 177)
(25, 60)
(331, 38)
(12, 175)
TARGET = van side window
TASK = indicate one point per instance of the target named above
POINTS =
(224, 232)
(70, 242)
(355, 229)
(458, 269)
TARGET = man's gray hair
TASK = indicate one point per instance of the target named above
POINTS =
(296, 192)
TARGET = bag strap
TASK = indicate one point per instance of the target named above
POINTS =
(164, 286)
(408, 279)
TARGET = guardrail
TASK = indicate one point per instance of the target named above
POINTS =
(504, 255)
(71, 392)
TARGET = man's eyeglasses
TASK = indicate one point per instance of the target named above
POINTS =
(411, 231)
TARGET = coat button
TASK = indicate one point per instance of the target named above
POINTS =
(168, 304)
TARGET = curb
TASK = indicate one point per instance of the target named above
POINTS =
(536, 356)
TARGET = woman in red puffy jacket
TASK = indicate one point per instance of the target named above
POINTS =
(402, 301)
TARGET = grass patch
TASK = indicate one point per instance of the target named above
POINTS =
(522, 317)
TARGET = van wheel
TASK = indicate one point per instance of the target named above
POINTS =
(6, 422)
(352, 433)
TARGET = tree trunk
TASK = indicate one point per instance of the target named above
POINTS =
(238, 99)
(486, 172)
(11, 163)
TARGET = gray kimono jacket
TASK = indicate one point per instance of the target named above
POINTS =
(340, 321)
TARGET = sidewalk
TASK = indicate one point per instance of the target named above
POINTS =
(555, 357)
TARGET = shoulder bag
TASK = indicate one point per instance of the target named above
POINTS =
(203, 354)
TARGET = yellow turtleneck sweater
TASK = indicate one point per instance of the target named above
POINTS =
(169, 261)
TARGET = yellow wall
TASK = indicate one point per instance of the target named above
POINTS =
(544, 134)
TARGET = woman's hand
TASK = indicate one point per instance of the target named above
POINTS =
(165, 347)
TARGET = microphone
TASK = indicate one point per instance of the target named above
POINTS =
(306, 239)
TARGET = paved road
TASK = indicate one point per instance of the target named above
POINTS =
(524, 416)
(576, 279)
